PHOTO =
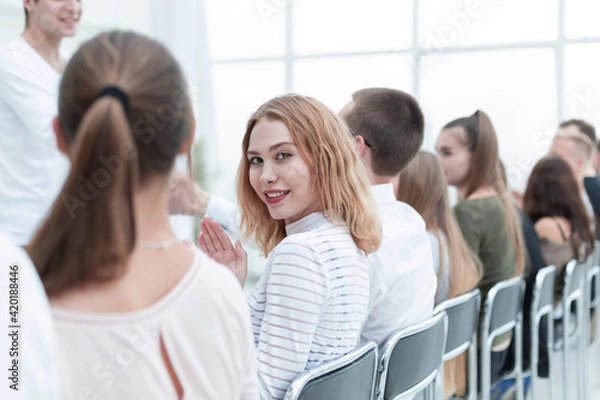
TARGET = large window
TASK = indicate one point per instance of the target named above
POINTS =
(527, 63)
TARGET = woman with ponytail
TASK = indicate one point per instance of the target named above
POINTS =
(131, 302)
(468, 150)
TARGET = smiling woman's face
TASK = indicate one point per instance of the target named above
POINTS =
(278, 174)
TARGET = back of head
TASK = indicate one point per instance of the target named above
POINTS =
(423, 185)
(392, 122)
(552, 191)
(340, 177)
(124, 113)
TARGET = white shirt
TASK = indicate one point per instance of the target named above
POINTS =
(36, 355)
(403, 283)
(310, 303)
(203, 323)
(32, 170)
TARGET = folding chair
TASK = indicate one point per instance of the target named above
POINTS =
(463, 319)
(411, 359)
(502, 313)
(573, 297)
(542, 305)
(350, 377)
(592, 297)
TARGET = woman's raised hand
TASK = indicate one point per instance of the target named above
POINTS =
(216, 244)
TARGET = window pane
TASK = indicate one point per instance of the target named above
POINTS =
(12, 19)
(582, 87)
(239, 89)
(519, 97)
(333, 80)
(243, 28)
(473, 22)
(349, 26)
(581, 18)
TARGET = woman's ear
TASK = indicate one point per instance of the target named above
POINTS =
(60, 139)
(188, 143)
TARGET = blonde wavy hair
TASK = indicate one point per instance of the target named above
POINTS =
(340, 177)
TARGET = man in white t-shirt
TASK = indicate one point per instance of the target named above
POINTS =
(388, 128)
(32, 170)
(27, 335)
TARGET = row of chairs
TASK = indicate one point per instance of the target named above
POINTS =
(411, 361)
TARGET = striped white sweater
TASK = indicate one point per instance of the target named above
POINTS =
(310, 303)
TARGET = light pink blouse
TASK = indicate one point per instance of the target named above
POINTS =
(203, 323)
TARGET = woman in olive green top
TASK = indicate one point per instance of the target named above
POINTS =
(468, 150)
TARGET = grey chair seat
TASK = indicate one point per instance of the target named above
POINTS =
(542, 305)
(350, 377)
(463, 319)
(411, 358)
(502, 313)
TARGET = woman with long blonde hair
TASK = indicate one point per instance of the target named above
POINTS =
(423, 186)
(304, 196)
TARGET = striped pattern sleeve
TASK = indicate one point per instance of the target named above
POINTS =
(295, 292)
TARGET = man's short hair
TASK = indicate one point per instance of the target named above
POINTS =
(586, 128)
(392, 124)
(584, 144)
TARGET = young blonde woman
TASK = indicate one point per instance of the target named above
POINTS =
(423, 186)
(304, 196)
(468, 150)
(130, 301)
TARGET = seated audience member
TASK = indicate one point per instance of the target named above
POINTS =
(304, 197)
(35, 375)
(423, 186)
(468, 150)
(552, 202)
(577, 150)
(132, 303)
(388, 128)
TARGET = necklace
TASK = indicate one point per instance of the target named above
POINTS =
(165, 244)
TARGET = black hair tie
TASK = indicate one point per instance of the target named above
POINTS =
(117, 93)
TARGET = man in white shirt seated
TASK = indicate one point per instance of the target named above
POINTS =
(388, 128)
(32, 170)
(27, 338)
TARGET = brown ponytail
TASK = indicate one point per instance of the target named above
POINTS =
(90, 230)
